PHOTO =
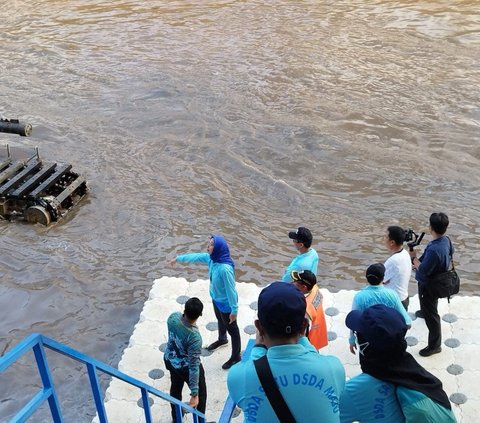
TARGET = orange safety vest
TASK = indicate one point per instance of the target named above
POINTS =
(317, 333)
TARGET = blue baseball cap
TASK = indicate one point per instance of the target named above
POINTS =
(383, 327)
(281, 309)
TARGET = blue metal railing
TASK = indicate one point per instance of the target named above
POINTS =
(230, 405)
(38, 342)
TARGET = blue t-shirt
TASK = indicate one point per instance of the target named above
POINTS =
(305, 261)
(310, 383)
(378, 294)
(222, 281)
(369, 400)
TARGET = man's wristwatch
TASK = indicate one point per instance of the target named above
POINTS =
(261, 346)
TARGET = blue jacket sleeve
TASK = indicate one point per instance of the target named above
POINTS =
(194, 258)
(286, 276)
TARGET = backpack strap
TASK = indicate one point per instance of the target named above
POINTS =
(451, 263)
(264, 373)
(451, 254)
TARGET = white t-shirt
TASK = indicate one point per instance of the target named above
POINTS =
(398, 269)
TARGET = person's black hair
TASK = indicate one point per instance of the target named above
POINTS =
(193, 308)
(396, 234)
(439, 223)
(375, 273)
(307, 243)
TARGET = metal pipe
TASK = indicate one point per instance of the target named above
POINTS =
(14, 126)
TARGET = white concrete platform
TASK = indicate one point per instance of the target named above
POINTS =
(458, 366)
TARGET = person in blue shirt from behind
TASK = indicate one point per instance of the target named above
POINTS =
(309, 382)
(221, 270)
(376, 293)
(307, 259)
(393, 387)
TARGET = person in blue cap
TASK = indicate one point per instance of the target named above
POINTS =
(309, 382)
(393, 387)
(221, 270)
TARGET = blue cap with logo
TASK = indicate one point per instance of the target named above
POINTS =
(281, 309)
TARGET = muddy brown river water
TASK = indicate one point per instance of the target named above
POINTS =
(246, 118)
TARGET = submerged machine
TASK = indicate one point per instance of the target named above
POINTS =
(34, 190)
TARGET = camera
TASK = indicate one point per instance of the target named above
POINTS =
(412, 239)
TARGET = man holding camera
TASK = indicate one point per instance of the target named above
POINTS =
(435, 259)
(398, 267)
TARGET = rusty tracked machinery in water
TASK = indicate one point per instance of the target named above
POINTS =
(34, 190)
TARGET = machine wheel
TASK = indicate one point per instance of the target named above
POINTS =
(37, 214)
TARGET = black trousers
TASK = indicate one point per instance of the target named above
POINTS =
(180, 376)
(429, 307)
(225, 326)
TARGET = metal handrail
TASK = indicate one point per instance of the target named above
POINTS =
(230, 405)
(38, 342)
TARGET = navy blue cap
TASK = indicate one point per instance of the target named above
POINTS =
(281, 309)
(302, 235)
(306, 277)
(383, 327)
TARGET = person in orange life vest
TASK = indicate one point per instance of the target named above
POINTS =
(306, 282)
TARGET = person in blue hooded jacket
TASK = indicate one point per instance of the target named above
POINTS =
(221, 270)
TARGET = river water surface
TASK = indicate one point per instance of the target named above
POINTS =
(246, 118)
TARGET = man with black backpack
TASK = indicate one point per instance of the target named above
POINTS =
(436, 259)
